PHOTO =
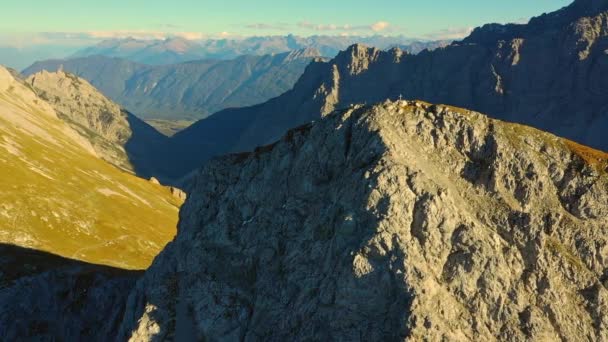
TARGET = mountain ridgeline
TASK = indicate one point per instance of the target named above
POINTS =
(551, 74)
(177, 49)
(191, 90)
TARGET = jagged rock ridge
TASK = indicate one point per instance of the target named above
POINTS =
(551, 74)
(403, 220)
(176, 49)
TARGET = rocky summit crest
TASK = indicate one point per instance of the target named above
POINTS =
(402, 220)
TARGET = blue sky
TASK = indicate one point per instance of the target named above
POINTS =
(202, 18)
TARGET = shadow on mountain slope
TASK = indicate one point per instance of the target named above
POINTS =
(143, 148)
(43, 295)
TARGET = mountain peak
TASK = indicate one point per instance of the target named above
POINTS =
(88, 111)
(6, 78)
(302, 53)
(491, 33)
(590, 6)
(357, 58)
(430, 205)
(357, 49)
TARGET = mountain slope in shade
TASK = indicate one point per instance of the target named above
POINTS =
(398, 221)
(551, 74)
(177, 50)
(188, 90)
(57, 196)
(65, 292)
(116, 135)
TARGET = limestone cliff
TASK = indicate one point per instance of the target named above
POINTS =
(398, 221)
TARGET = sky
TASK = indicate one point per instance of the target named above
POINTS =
(29, 22)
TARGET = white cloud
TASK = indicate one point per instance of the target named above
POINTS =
(375, 27)
(451, 33)
(380, 26)
(22, 40)
(323, 27)
(141, 34)
(267, 26)
(144, 34)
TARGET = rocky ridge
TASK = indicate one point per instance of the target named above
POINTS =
(177, 50)
(399, 221)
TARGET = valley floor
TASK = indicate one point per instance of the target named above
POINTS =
(169, 127)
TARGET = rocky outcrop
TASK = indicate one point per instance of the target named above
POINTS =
(117, 135)
(550, 74)
(398, 221)
(178, 193)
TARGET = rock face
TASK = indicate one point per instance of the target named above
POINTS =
(190, 90)
(551, 74)
(399, 221)
(116, 135)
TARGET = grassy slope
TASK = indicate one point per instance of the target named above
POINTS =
(57, 197)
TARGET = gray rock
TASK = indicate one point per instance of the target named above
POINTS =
(49, 298)
(399, 221)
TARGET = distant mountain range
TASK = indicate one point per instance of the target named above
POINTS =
(551, 73)
(21, 57)
(176, 49)
(190, 90)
